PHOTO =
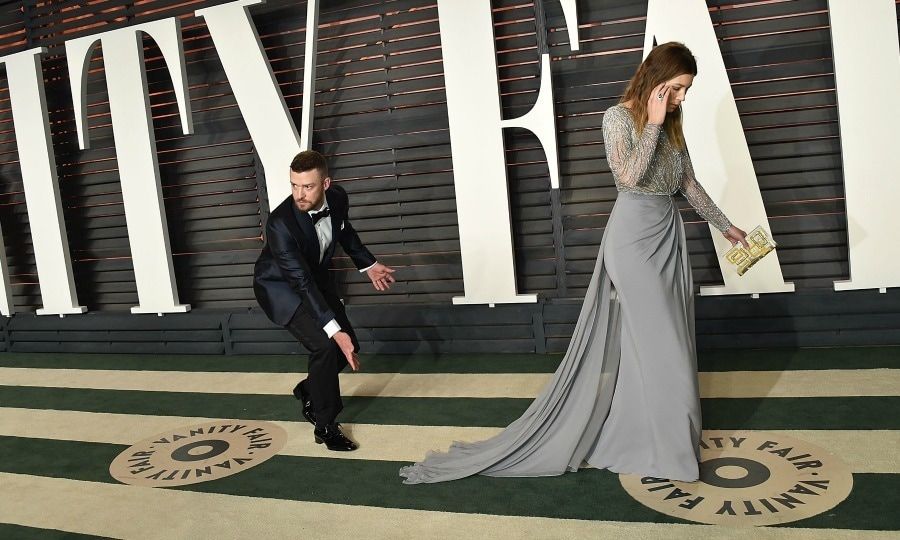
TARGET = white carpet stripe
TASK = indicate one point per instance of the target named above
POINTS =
(801, 383)
(865, 451)
(352, 384)
(731, 384)
(121, 511)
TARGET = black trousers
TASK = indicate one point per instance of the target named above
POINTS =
(326, 360)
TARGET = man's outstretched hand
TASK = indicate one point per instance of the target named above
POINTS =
(346, 344)
(381, 277)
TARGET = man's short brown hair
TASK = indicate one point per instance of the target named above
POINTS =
(309, 160)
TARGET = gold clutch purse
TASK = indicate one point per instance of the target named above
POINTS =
(744, 258)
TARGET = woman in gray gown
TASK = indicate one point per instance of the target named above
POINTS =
(625, 396)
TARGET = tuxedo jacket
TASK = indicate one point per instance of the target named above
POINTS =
(288, 272)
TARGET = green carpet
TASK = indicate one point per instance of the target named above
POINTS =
(376, 483)
(591, 495)
(718, 413)
(19, 532)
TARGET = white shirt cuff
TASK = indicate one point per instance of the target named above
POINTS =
(366, 269)
(332, 328)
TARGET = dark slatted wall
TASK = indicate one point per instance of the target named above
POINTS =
(13, 220)
(381, 117)
(381, 114)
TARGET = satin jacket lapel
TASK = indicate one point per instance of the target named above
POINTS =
(337, 217)
(305, 232)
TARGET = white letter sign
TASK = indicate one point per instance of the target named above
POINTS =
(129, 104)
(256, 91)
(867, 71)
(712, 128)
(476, 138)
(38, 163)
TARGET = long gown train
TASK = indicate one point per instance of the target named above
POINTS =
(625, 396)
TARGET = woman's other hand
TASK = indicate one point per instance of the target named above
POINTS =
(735, 235)
(658, 104)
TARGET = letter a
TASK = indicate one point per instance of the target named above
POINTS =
(719, 150)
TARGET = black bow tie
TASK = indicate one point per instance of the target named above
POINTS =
(316, 216)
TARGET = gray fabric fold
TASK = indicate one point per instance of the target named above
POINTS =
(625, 396)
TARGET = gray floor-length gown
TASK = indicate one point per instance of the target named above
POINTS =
(625, 396)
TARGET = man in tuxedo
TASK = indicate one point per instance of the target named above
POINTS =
(295, 288)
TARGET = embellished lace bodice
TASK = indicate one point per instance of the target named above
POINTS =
(650, 164)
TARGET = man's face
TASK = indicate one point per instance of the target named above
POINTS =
(308, 189)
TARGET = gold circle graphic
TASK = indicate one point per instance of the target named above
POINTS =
(198, 453)
(749, 478)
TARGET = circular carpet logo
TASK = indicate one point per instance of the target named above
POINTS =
(749, 478)
(198, 453)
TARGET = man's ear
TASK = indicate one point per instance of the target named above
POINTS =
(327, 182)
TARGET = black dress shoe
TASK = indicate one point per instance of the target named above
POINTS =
(334, 438)
(304, 399)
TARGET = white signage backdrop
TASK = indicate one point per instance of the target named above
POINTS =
(38, 163)
(867, 70)
(132, 122)
(478, 154)
(712, 126)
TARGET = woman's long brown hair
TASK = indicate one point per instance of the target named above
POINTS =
(664, 62)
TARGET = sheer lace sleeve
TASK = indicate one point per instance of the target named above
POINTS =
(699, 199)
(627, 161)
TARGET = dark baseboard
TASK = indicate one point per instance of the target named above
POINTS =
(808, 319)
